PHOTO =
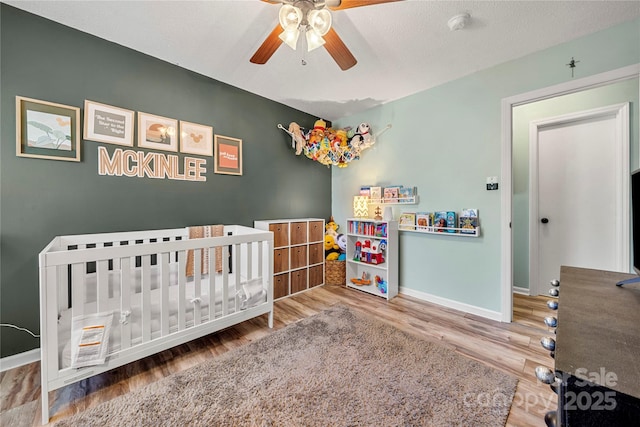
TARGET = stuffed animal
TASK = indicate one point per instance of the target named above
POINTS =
(331, 248)
(316, 136)
(331, 228)
(362, 138)
(298, 140)
(341, 240)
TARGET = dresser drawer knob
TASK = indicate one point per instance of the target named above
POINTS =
(555, 283)
(554, 292)
(548, 343)
(545, 375)
(553, 305)
(551, 419)
(551, 321)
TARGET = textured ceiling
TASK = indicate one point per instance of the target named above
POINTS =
(402, 47)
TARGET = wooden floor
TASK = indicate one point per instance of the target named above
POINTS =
(513, 348)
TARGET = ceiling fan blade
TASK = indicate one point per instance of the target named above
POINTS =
(348, 4)
(338, 50)
(268, 47)
(272, 1)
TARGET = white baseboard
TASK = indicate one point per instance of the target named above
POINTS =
(523, 291)
(19, 359)
(467, 308)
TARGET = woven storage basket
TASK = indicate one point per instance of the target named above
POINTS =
(335, 272)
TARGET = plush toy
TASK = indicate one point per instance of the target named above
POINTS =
(341, 240)
(298, 140)
(316, 136)
(331, 248)
(331, 228)
(362, 138)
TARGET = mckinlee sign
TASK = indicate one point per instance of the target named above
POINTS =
(153, 165)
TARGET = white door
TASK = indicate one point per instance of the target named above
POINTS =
(579, 193)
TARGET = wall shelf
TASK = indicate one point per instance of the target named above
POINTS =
(459, 232)
(403, 201)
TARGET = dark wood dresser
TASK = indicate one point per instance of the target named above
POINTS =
(597, 351)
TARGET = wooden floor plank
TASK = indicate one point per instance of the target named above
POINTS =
(511, 347)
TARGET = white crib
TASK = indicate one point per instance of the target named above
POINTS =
(141, 279)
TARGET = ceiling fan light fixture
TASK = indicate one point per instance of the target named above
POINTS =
(314, 39)
(320, 20)
(289, 16)
(290, 36)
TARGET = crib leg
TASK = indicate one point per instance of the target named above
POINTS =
(271, 319)
(45, 405)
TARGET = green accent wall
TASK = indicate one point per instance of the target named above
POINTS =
(44, 198)
(447, 141)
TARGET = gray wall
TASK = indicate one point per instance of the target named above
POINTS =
(44, 198)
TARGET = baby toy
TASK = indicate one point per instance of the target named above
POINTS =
(363, 280)
(358, 252)
(381, 284)
(331, 228)
(297, 137)
(331, 248)
(341, 241)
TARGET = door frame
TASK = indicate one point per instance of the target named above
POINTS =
(506, 202)
(620, 113)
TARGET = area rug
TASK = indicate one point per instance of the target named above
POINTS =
(336, 368)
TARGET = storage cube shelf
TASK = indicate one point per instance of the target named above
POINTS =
(372, 251)
(298, 254)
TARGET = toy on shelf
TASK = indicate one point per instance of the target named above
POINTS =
(358, 252)
(363, 280)
(381, 284)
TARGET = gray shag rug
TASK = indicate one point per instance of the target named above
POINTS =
(336, 368)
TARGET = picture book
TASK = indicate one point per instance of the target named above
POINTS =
(391, 194)
(407, 221)
(451, 221)
(365, 191)
(440, 221)
(376, 193)
(468, 224)
(469, 212)
(424, 221)
(405, 194)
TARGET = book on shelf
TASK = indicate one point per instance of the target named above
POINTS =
(407, 221)
(451, 222)
(376, 193)
(365, 190)
(391, 194)
(468, 224)
(406, 194)
(440, 221)
(424, 221)
(469, 212)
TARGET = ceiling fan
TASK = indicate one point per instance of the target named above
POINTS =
(313, 18)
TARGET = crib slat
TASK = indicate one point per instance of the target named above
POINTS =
(212, 281)
(125, 302)
(225, 283)
(249, 260)
(197, 277)
(182, 265)
(238, 268)
(164, 293)
(102, 294)
(146, 298)
(78, 291)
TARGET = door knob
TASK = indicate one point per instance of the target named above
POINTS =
(544, 220)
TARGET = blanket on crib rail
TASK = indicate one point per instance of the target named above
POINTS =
(201, 232)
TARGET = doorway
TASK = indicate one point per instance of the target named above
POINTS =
(578, 191)
(507, 195)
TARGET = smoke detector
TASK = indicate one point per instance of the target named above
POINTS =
(458, 22)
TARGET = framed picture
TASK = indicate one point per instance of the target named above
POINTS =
(196, 139)
(104, 123)
(228, 155)
(45, 130)
(159, 133)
